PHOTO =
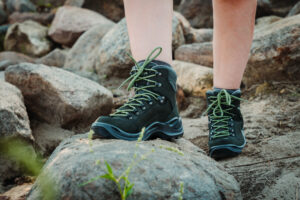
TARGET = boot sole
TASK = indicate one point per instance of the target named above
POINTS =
(171, 129)
(227, 150)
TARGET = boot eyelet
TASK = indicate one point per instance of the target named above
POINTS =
(137, 113)
(130, 117)
(159, 84)
(161, 99)
(144, 108)
(159, 73)
(150, 102)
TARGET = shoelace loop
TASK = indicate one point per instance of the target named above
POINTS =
(135, 77)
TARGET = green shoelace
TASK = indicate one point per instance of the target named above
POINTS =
(142, 92)
(219, 113)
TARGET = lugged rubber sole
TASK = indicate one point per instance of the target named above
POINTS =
(165, 130)
(226, 150)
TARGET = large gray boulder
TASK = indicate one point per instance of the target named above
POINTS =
(275, 52)
(81, 56)
(58, 96)
(70, 22)
(14, 120)
(157, 177)
(14, 126)
(29, 38)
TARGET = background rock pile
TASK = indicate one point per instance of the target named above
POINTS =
(60, 65)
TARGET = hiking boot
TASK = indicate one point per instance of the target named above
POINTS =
(226, 135)
(153, 108)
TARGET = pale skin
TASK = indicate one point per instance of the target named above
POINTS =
(149, 25)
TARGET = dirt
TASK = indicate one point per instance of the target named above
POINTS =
(269, 167)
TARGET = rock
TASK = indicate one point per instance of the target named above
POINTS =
(295, 10)
(48, 3)
(195, 128)
(20, 6)
(29, 38)
(78, 58)
(70, 22)
(55, 58)
(264, 21)
(185, 24)
(42, 18)
(47, 137)
(77, 3)
(274, 7)
(177, 33)
(191, 34)
(17, 193)
(86, 74)
(58, 96)
(198, 53)
(181, 100)
(112, 9)
(14, 120)
(111, 58)
(158, 176)
(275, 52)
(198, 12)
(193, 79)
(2, 76)
(200, 35)
(8, 58)
(196, 108)
(3, 15)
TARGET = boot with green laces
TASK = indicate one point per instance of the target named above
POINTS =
(153, 108)
(226, 135)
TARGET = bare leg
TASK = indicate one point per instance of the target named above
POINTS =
(150, 25)
(233, 33)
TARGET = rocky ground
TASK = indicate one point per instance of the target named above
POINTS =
(61, 63)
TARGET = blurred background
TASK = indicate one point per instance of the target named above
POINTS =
(61, 63)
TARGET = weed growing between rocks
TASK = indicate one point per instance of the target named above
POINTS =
(24, 155)
(124, 185)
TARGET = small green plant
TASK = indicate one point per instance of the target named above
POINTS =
(125, 187)
(173, 149)
(181, 191)
(24, 155)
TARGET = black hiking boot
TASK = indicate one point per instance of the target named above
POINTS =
(226, 135)
(153, 106)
